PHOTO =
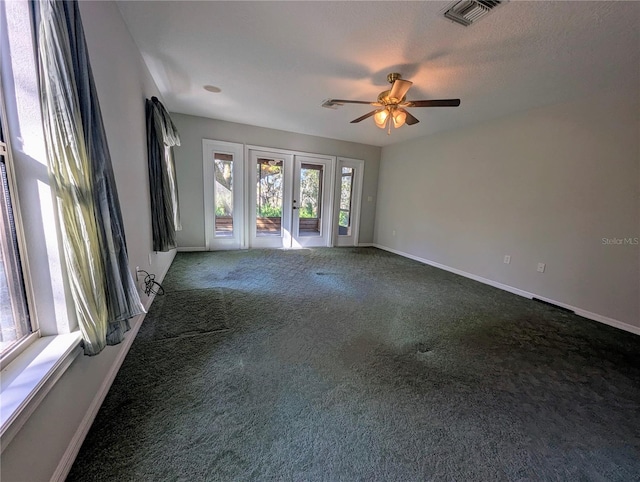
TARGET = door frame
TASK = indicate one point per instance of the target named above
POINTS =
(211, 241)
(326, 207)
(250, 208)
(356, 200)
(284, 240)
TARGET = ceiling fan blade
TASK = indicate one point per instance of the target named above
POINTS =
(434, 103)
(366, 116)
(399, 88)
(343, 101)
(410, 120)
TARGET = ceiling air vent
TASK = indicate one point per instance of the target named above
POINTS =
(467, 12)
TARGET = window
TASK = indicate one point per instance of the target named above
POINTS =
(223, 194)
(346, 194)
(269, 197)
(14, 313)
(310, 190)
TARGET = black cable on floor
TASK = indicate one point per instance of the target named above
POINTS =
(151, 285)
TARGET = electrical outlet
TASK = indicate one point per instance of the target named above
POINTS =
(541, 267)
(507, 259)
(394, 232)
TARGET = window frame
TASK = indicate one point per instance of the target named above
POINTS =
(31, 367)
(5, 150)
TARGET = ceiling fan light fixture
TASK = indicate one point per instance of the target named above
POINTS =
(391, 104)
(380, 118)
(399, 118)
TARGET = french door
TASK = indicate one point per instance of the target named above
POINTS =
(312, 196)
(223, 194)
(348, 201)
(289, 200)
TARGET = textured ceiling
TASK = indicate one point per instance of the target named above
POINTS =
(277, 61)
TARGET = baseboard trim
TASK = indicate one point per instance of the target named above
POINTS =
(578, 311)
(70, 454)
(187, 249)
(191, 248)
(161, 277)
(78, 438)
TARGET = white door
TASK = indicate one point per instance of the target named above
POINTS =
(289, 200)
(311, 205)
(223, 165)
(348, 201)
(270, 186)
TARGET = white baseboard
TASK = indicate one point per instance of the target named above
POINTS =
(70, 454)
(366, 245)
(578, 311)
(161, 276)
(191, 248)
(78, 438)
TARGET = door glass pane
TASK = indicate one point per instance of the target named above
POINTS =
(310, 199)
(223, 194)
(269, 197)
(346, 190)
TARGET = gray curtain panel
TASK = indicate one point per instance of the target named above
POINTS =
(162, 135)
(80, 170)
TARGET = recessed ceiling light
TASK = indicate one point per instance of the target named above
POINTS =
(212, 88)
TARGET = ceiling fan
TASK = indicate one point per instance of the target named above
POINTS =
(392, 103)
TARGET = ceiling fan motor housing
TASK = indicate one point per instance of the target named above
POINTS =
(393, 76)
(385, 100)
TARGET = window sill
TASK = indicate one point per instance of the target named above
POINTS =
(27, 379)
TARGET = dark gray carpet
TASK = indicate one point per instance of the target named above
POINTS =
(356, 364)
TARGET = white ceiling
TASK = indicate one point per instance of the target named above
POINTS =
(277, 61)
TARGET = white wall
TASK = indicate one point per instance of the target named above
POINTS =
(122, 82)
(188, 158)
(543, 186)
